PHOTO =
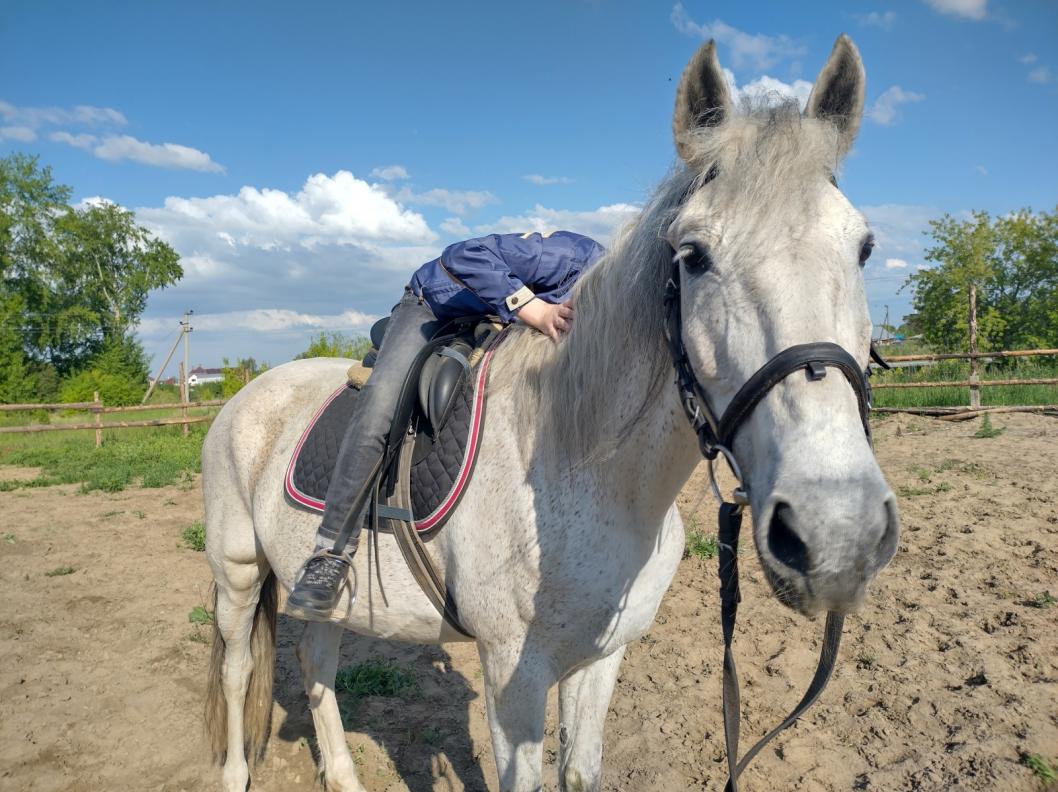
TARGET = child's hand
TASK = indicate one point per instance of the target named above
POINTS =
(551, 320)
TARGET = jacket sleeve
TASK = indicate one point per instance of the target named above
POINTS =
(478, 265)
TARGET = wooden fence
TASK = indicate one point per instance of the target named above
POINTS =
(974, 384)
(98, 409)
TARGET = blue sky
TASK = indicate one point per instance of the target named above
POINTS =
(305, 158)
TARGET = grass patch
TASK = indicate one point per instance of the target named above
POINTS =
(1040, 767)
(986, 429)
(154, 457)
(199, 615)
(196, 636)
(915, 492)
(376, 678)
(60, 571)
(9, 538)
(865, 660)
(1043, 600)
(701, 545)
(194, 536)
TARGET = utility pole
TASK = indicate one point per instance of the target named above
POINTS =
(185, 389)
(161, 370)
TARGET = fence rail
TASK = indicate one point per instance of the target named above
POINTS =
(974, 384)
(1012, 353)
(98, 409)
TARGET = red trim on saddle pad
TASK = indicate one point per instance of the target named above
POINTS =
(466, 466)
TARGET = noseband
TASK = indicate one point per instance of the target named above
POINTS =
(716, 437)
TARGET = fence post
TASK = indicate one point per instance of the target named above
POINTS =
(98, 418)
(975, 389)
(185, 394)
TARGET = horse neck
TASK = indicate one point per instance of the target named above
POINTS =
(613, 404)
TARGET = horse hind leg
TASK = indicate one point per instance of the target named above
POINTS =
(242, 668)
(318, 656)
(583, 699)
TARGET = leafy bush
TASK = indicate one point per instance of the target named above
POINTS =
(336, 344)
(194, 536)
(118, 372)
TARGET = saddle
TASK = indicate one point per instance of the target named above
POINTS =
(434, 438)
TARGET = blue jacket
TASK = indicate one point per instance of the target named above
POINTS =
(489, 275)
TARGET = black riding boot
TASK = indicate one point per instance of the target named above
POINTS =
(316, 592)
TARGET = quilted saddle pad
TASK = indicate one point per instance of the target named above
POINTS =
(439, 472)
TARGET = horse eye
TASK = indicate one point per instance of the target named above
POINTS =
(695, 258)
(865, 251)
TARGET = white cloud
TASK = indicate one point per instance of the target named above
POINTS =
(895, 263)
(748, 50)
(22, 134)
(339, 209)
(455, 201)
(82, 141)
(263, 320)
(768, 90)
(1028, 58)
(390, 173)
(263, 268)
(81, 115)
(600, 224)
(25, 121)
(900, 228)
(163, 155)
(536, 178)
(981, 169)
(875, 19)
(968, 9)
(455, 227)
(885, 109)
(1041, 75)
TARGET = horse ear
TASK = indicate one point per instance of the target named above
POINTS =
(839, 91)
(702, 100)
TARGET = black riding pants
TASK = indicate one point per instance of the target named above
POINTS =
(410, 328)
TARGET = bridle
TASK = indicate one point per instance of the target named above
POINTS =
(716, 436)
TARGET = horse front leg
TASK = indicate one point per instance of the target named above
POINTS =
(318, 656)
(583, 700)
(516, 683)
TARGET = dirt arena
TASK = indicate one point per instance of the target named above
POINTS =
(947, 677)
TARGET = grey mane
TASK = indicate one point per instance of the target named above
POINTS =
(618, 328)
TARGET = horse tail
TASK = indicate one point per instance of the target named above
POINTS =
(257, 710)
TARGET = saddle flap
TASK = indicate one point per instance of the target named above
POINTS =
(442, 380)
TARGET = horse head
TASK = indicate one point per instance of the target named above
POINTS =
(770, 255)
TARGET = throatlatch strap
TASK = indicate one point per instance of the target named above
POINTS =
(729, 527)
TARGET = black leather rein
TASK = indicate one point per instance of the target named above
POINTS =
(716, 435)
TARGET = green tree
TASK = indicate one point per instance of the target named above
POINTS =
(239, 375)
(17, 381)
(336, 344)
(1013, 263)
(118, 372)
(30, 202)
(82, 274)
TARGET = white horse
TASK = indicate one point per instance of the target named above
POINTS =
(567, 537)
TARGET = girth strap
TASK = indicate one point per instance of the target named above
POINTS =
(730, 523)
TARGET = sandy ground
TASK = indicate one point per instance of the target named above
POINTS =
(946, 676)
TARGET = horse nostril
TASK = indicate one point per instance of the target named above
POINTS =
(783, 541)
